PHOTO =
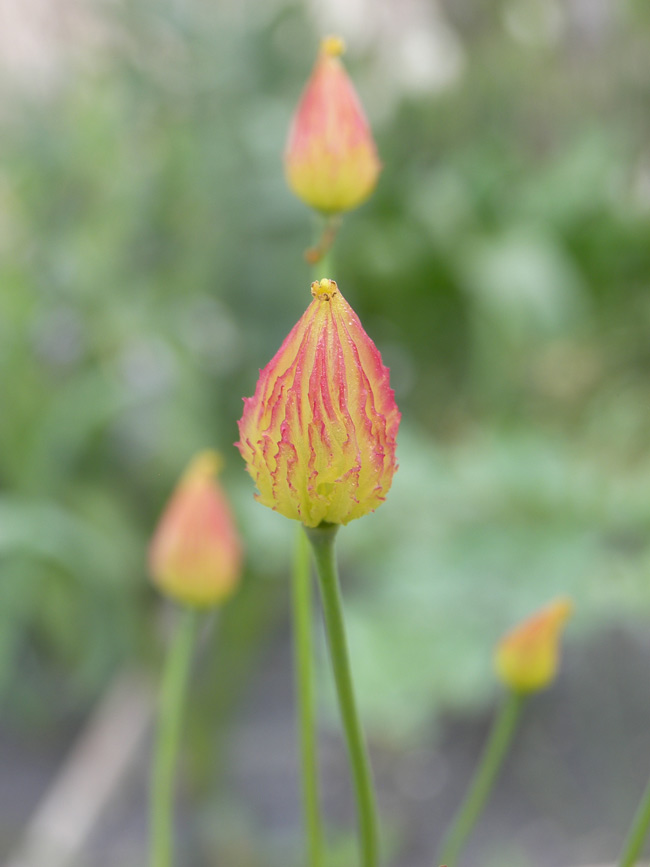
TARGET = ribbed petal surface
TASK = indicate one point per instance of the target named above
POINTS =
(318, 436)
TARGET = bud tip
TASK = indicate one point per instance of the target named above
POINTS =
(206, 465)
(324, 289)
(332, 46)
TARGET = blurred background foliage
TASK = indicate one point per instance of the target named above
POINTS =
(151, 262)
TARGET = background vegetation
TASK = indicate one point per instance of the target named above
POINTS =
(151, 262)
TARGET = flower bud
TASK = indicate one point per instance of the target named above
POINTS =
(526, 659)
(318, 436)
(195, 554)
(331, 160)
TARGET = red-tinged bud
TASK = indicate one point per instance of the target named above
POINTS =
(331, 160)
(195, 554)
(318, 436)
(527, 658)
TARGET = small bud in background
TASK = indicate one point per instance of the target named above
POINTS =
(331, 160)
(527, 658)
(195, 554)
(318, 436)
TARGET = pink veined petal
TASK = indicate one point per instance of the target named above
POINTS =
(319, 434)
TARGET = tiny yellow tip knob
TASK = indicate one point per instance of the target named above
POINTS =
(206, 465)
(562, 609)
(324, 289)
(332, 46)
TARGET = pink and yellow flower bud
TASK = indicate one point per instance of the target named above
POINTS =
(318, 436)
(527, 658)
(195, 554)
(331, 160)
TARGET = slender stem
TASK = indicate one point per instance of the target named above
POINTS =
(637, 833)
(322, 542)
(494, 752)
(319, 254)
(304, 670)
(170, 712)
(323, 268)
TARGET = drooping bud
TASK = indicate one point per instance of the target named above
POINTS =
(527, 658)
(318, 436)
(331, 160)
(195, 553)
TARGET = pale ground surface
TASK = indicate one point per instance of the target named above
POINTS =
(565, 797)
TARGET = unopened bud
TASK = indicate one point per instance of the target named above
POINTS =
(195, 554)
(331, 160)
(527, 658)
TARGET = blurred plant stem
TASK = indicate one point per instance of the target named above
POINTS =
(322, 542)
(320, 254)
(170, 713)
(494, 753)
(304, 668)
(637, 833)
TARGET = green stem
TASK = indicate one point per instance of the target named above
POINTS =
(323, 268)
(304, 665)
(170, 712)
(326, 230)
(494, 752)
(637, 833)
(322, 542)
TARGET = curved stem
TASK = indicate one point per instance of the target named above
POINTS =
(319, 254)
(322, 542)
(304, 670)
(637, 833)
(170, 712)
(494, 752)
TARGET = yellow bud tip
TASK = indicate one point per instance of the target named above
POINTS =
(206, 465)
(332, 46)
(561, 610)
(324, 289)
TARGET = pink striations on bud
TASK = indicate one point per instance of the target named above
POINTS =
(318, 436)
(331, 160)
(527, 658)
(195, 554)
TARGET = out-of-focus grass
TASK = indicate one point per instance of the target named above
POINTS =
(151, 262)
